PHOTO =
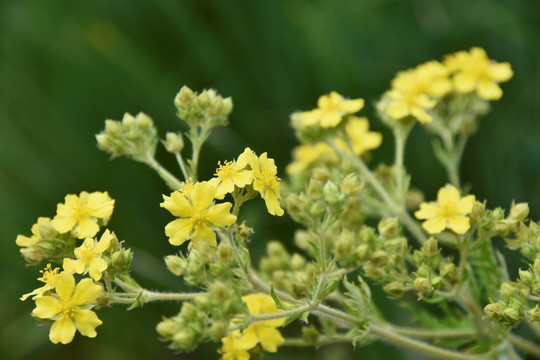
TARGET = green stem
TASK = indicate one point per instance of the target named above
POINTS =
(171, 181)
(523, 344)
(182, 165)
(433, 333)
(146, 296)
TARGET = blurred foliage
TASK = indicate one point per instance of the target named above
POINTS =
(66, 66)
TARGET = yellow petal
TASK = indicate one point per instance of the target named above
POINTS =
(104, 242)
(500, 72)
(203, 195)
(427, 211)
(270, 338)
(179, 231)
(86, 292)
(178, 205)
(64, 284)
(87, 228)
(459, 224)
(204, 233)
(96, 267)
(448, 195)
(398, 110)
(99, 205)
(63, 224)
(464, 205)
(220, 215)
(86, 322)
(243, 178)
(489, 90)
(272, 204)
(248, 340)
(74, 266)
(464, 82)
(47, 307)
(352, 106)
(330, 119)
(25, 241)
(436, 225)
(62, 331)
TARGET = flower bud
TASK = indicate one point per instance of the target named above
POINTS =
(344, 245)
(316, 210)
(203, 100)
(176, 264)
(218, 330)
(184, 98)
(225, 252)
(331, 193)
(503, 227)
(310, 334)
(422, 284)
(379, 259)
(33, 255)
(519, 211)
(395, 289)
(494, 311)
(295, 204)
(351, 186)
(511, 314)
(389, 227)
(113, 129)
(174, 143)
(507, 291)
(526, 277)
(128, 122)
(478, 212)
(449, 273)
(188, 311)
(143, 122)
(219, 291)
(167, 328)
(397, 246)
(216, 106)
(183, 340)
(424, 271)
(362, 251)
(297, 262)
(46, 231)
(314, 190)
(413, 199)
(430, 248)
(276, 249)
(122, 259)
(226, 106)
(534, 314)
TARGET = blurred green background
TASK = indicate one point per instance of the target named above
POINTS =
(66, 66)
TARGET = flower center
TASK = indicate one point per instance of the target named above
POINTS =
(225, 170)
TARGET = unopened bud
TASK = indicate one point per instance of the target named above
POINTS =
(219, 291)
(511, 314)
(174, 143)
(314, 190)
(167, 328)
(526, 277)
(534, 314)
(507, 291)
(422, 284)
(226, 106)
(430, 248)
(176, 264)
(397, 246)
(218, 330)
(122, 259)
(188, 311)
(351, 186)
(395, 289)
(519, 211)
(389, 227)
(183, 340)
(310, 334)
(184, 98)
(113, 128)
(128, 122)
(203, 100)
(331, 193)
(297, 262)
(225, 252)
(276, 249)
(216, 106)
(494, 311)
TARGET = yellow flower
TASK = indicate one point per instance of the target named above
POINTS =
(361, 139)
(231, 174)
(330, 111)
(25, 241)
(89, 257)
(233, 347)
(266, 182)
(69, 308)
(311, 154)
(263, 332)
(197, 213)
(81, 213)
(474, 71)
(47, 277)
(450, 212)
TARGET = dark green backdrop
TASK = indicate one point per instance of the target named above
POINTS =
(65, 66)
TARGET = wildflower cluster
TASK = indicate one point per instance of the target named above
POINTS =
(360, 227)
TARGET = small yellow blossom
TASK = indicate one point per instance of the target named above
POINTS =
(47, 277)
(331, 110)
(69, 308)
(89, 257)
(309, 155)
(263, 332)
(234, 348)
(450, 212)
(231, 174)
(25, 241)
(360, 137)
(266, 182)
(474, 71)
(197, 213)
(81, 213)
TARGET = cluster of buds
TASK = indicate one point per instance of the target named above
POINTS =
(207, 109)
(135, 137)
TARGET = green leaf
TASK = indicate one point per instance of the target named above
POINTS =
(278, 302)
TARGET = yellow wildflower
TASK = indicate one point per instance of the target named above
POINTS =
(308, 155)
(47, 277)
(89, 257)
(233, 347)
(450, 212)
(69, 308)
(25, 241)
(197, 213)
(266, 182)
(231, 174)
(474, 71)
(360, 138)
(263, 332)
(81, 213)
(330, 111)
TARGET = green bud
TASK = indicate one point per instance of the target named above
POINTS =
(207, 253)
(167, 328)
(226, 106)
(436, 282)
(128, 122)
(176, 264)
(33, 255)
(389, 227)
(422, 284)
(46, 231)
(184, 340)
(184, 98)
(344, 245)
(507, 291)
(494, 311)
(219, 291)
(536, 266)
(202, 302)
(529, 250)
(113, 129)
(503, 227)
(297, 262)
(430, 248)
(478, 212)
(321, 174)
(424, 271)
(362, 251)
(497, 214)
(512, 314)
(302, 239)
(379, 259)
(225, 252)
(367, 235)
(49, 247)
(174, 143)
(295, 204)
(351, 186)
(534, 314)
(526, 277)
(413, 199)
(316, 210)
(276, 249)
(535, 287)
(397, 246)
(143, 122)
(216, 106)
(519, 211)
(300, 289)
(449, 273)
(188, 311)
(122, 259)
(395, 289)
(218, 330)
(203, 100)
(314, 190)
(331, 193)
